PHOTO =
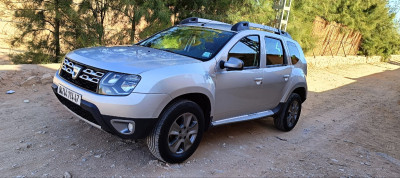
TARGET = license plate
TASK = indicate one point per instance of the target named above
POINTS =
(69, 94)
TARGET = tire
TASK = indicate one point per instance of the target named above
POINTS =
(172, 140)
(288, 117)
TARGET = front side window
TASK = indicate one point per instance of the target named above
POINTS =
(196, 42)
(274, 51)
(247, 50)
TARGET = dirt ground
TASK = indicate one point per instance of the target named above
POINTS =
(349, 126)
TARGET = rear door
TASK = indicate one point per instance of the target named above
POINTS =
(277, 72)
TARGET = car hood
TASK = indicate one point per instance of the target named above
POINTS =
(128, 59)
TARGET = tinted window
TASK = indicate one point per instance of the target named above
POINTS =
(248, 50)
(294, 52)
(274, 51)
(200, 43)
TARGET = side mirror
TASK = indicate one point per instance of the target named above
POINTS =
(233, 63)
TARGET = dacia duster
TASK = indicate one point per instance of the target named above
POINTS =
(174, 85)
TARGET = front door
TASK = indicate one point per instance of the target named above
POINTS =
(238, 92)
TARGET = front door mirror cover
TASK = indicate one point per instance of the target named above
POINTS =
(233, 63)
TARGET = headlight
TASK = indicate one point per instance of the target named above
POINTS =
(118, 84)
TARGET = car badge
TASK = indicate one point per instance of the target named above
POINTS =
(76, 70)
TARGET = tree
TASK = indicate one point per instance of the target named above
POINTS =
(40, 23)
(154, 12)
(93, 13)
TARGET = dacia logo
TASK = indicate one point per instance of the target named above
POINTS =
(76, 70)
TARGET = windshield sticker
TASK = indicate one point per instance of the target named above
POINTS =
(206, 54)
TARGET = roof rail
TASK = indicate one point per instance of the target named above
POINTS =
(238, 26)
(246, 26)
(201, 20)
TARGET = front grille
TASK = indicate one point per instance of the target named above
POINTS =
(81, 75)
(77, 109)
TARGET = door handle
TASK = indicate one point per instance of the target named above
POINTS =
(258, 81)
(286, 77)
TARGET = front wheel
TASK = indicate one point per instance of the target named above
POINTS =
(178, 132)
(290, 113)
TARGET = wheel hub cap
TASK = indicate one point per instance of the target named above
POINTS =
(182, 133)
(293, 113)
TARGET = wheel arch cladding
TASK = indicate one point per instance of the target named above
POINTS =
(200, 99)
(302, 92)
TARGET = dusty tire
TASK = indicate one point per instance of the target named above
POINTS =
(287, 119)
(172, 140)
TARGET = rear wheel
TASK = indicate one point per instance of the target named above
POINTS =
(177, 133)
(287, 119)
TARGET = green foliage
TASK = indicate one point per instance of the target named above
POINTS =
(40, 24)
(30, 57)
(371, 18)
(52, 27)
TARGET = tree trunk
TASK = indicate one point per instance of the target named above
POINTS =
(133, 30)
(57, 31)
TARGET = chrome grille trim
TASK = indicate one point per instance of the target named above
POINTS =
(93, 73)
(87, 78)
(89, 74)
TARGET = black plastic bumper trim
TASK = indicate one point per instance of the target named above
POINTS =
(142, 129)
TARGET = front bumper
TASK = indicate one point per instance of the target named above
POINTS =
(89, 112)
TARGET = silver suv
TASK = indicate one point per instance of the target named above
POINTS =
(174, 85)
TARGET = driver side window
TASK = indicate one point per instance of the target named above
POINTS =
(247, 50)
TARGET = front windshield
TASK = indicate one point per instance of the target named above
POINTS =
(196, 42)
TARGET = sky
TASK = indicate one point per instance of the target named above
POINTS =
(394, 3)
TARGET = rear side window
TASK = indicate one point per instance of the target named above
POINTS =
(294, 52)
(274, 51)
(247, 50)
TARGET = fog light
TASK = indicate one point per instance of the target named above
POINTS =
(130, 127)
(125, 127)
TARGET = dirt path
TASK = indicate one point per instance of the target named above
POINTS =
(349, 127)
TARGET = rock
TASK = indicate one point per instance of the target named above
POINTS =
(97, 156)
(112, 166)
(28, 145)
(67, 175)
(31, 81)
(10, 92)
(26, 101)
(84, 160)
(341, 170)
(47, 78)
(41, 132)
(334, 160)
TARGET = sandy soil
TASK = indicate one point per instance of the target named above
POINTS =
(349, 126)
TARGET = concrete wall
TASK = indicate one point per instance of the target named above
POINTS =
(329, 61)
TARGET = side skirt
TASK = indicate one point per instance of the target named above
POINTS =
(248, 117)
